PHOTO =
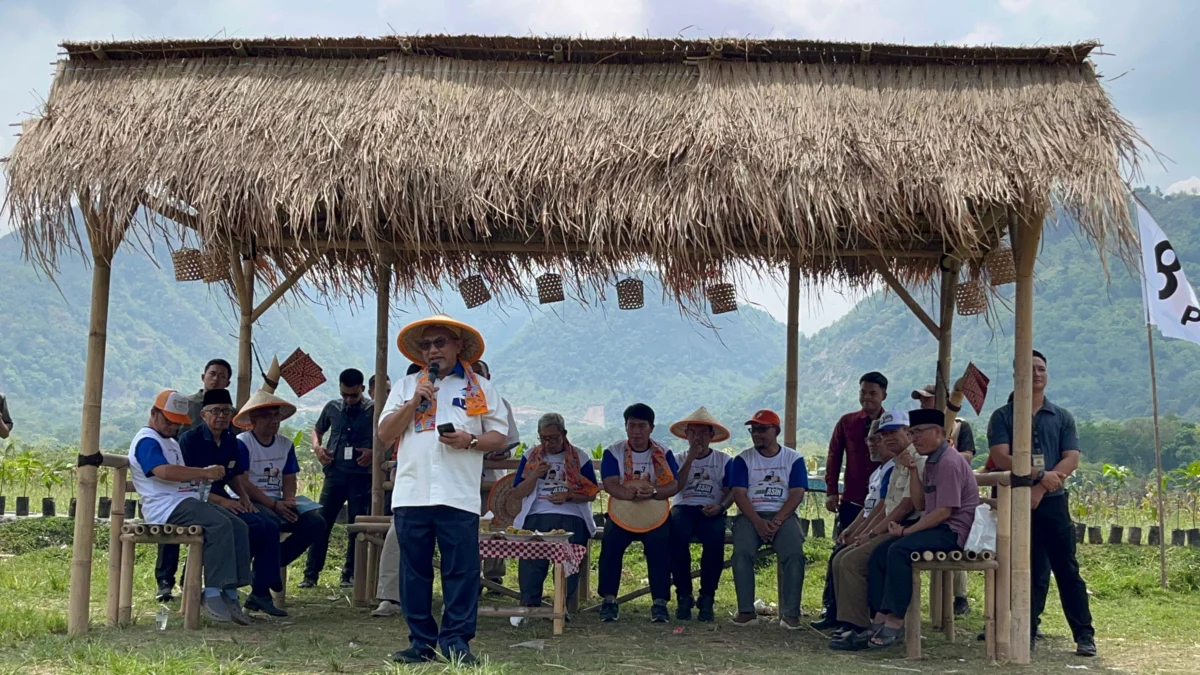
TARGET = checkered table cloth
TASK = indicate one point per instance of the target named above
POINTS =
(570, 555)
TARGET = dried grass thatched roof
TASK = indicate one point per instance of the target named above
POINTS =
(507, 155)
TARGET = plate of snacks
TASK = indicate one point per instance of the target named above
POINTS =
(553, 536)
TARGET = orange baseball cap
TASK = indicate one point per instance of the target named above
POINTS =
(765, 417)
(173, 405)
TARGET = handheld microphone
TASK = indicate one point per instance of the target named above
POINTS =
(434, 371)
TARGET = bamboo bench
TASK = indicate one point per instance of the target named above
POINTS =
(941, 567)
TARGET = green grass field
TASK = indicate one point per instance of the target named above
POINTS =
(1140, 628)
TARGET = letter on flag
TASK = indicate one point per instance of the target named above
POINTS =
(1170, 300)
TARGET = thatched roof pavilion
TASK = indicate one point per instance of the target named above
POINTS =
(394, 164)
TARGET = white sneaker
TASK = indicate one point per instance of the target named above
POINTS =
(386, 608)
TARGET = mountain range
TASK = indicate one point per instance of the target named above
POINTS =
(590, 360)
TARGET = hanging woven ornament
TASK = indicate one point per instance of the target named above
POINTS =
(971, 298)
(301, 373)
(473, 291)
(1001, 267)
(631, 294)
(550, 288)
(722, 298)
(214, 264)
(187, 262)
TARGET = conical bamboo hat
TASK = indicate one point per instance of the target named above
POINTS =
(701, 416)
(262, 399)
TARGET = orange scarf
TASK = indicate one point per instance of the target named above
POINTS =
(658, 455)
(576, 481)
(476, 401)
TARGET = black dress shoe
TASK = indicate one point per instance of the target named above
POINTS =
(827, 623)
(415, 655)
(309, 583)
(1085, 647)
(165, 591)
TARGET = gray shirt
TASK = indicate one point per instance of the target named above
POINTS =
(1053, 434)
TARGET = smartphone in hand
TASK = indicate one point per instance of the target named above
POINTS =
(445, 429)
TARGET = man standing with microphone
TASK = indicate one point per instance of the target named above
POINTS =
(445, 419)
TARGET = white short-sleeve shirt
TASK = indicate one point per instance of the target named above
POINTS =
(430, 473)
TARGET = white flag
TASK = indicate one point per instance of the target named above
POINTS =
(1170, 300)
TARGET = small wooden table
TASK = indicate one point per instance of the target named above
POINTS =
(566, 558)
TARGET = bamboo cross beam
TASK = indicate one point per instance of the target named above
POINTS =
(284, 286)
(904, 295)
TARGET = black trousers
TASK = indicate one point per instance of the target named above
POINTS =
(846, 514)
(1052, 549)
(657, 546)
(688, 522)
(889, 573)
(531, 573)
(167, 564)
(339, 489)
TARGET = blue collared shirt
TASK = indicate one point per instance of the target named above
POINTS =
(200, 449)
(1054, 433)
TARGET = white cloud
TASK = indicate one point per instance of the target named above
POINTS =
(848, 20)
(1015, 6)
(1189, 186)
(984, 33)
(592, 18)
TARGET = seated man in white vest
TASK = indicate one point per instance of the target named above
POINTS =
(556, 484)
(271, 468)
(176, 494)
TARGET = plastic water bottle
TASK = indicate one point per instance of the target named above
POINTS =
(160, 618)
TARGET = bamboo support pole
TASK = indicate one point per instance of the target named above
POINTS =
(935, 599)
(115, 524)
(940, 556)
(560, 598)
(1026, 237)
(989, 613)
(191, 585)
(242, 272)
(902, 293)
(125, 611)
(950, 268)
(956, 556)
(383, 287)
(793, 356)
(103, 245)
(1003, 572)
(912, 618)
(361, 590)
(947, 577)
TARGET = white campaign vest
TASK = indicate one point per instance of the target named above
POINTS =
(160, 497)
(265, 469)
(875, 486)
(704, 486)
(768, 478)
(535, 502)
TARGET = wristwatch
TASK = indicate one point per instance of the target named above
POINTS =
(654, 493)
(474, 442)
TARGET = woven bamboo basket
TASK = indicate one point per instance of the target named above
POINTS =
(971, 298)
(631, 294)
(1001, 267)
(188, 265)
(550, 288)
(215, 266)
(722, 298)
(473, 291)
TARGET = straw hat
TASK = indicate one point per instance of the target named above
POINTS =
(640, 516)
(503, 504)
(262, 399)
(410, 338)
(701, 416)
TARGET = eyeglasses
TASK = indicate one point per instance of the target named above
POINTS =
(760, 429)
(921, 429)
(426, 345)
(549, 439)
(225, 411)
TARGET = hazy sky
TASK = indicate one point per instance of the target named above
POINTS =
(1152, 46)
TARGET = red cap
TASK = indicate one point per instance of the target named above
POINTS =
(765, 417)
